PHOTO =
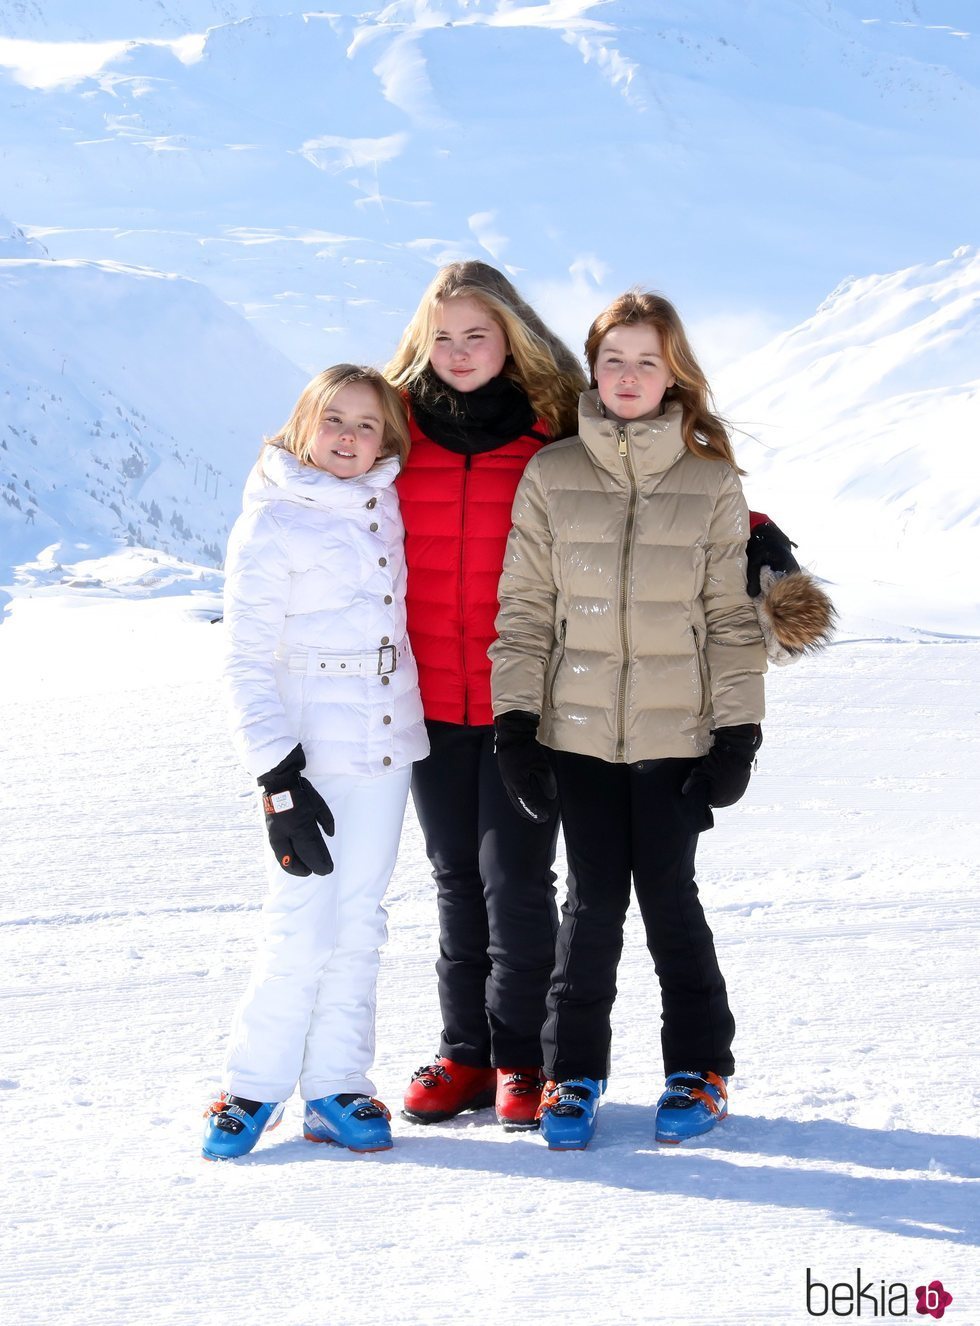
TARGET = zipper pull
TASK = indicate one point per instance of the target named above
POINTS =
(621, 434)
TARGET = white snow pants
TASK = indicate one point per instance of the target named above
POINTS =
(308, 1013)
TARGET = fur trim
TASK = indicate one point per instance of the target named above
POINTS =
(775, 652)
(795, 611)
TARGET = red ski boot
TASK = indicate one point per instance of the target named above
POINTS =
(443, 1089)
(518, 1098)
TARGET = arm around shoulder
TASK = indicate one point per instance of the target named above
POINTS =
(527, 592)
(735, 650)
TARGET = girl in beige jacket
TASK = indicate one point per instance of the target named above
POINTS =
(628, 678)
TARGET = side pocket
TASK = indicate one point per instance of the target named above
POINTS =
(702, 674)
(559, 656)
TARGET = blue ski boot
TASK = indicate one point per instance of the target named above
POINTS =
(235, 1124)
(567, 1112)
(360, 1123)
(692, 1104)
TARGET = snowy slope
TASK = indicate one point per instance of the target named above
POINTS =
(858, 428)
(311, 169)
(843, 896)
(133, 404)
(861, 431)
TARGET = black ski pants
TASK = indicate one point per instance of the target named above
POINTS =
(496, 899)
(622, 821)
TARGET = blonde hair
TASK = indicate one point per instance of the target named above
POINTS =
(705, 432)
(298, 434)
(538, 361)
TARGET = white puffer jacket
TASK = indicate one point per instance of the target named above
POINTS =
(314, 602)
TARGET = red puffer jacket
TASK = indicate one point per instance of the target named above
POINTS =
(456, 511)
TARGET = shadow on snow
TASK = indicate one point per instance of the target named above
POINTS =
(623, 1155)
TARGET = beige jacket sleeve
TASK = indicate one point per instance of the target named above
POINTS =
(527, 592)
(735, 650)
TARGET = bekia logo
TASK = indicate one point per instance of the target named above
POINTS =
(933, 1299)
(873, 1298)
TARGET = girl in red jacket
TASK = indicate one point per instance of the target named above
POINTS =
(487, 384)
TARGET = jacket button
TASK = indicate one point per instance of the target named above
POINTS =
(385, 681)
(372, 504)
(389, 599)
(385, 640)
(386, 760)
(373, 527)
(386, 720)
(382, 561)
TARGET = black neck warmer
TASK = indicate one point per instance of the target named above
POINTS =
(471, 422)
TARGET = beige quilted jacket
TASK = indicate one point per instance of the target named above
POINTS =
(624, 618)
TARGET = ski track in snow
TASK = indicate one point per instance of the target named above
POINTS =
(842, 893)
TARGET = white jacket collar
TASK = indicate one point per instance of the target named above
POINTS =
(279, 477)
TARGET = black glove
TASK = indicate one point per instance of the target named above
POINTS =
(768, 546)
(525, 768)
(722, 775)
(295, 812)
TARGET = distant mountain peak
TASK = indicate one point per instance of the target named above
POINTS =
(15, 244)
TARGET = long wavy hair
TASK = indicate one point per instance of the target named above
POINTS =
(299, 432)
(537, 360)
(705, 432)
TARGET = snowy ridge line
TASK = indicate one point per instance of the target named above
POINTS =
(896, 927)
(944, 1205)
(899, 906)
(761, 871)
(88, 918)
(897, 1169)
(947, 899)
(922, 636)
(829, 1140)
(809, 877)
(823, 1143)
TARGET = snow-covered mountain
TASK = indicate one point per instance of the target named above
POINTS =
(133, 404)
(312, 168)
(862, 429)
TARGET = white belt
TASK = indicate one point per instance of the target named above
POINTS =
(321, 662)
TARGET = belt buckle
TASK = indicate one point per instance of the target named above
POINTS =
(387, 649)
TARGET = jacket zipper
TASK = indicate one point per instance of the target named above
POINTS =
(562, 627)
(702, 689)
(462, 614)
(622, 435)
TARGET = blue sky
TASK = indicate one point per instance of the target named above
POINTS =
(312, 172)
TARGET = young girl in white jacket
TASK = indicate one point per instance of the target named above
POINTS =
(327, 718)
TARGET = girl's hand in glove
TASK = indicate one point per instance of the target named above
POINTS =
(525, 768)
(295, 812)
(723, 774)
